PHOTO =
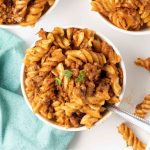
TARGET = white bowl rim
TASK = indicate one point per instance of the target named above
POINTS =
(17, 25)
(104, 117)
(105, 20)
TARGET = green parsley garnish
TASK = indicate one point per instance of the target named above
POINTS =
(68, 74)
(81, 76)
(58, 82)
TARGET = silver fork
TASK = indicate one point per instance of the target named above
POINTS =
(140, 122)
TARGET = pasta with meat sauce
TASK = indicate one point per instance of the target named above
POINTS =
(130, 15)
(23, 12)
(70, 75)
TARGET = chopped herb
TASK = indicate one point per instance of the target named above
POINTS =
(58, 82)
(81, 76)
(68, 74)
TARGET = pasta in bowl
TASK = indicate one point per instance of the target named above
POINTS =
(70, 75)
(24, 12)
(127, 16)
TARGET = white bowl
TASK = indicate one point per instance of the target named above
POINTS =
(115, 28)
(108, 114)
(17, 25)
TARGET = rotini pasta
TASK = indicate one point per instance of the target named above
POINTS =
(39, 50)
(20, 9)
(130, 137)
(133, 4)
(35, 12)
(69, 77)
(126, 18)
(105, 6)
(23, 12)
(86, 56)
(145, 12)
(143, 63)
(109, 53)
(125, 14)
(143, 108)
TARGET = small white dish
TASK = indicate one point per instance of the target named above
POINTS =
(108, 114)
(17, 25)
(111, 25)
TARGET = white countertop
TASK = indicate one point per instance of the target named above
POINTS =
(77, 12)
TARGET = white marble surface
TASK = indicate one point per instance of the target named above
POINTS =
(77, 12)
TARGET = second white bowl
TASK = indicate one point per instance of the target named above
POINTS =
(115, 28)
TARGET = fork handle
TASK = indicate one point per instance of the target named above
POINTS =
(140, 122)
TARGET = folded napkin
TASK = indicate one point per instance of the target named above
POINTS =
(19, 128)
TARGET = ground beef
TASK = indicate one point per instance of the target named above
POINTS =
(74, 121)
(104, 84)
(90, 88)
(80, 91)
(92, 71)
(75, 72)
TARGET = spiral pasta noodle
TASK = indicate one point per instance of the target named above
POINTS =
(37, 52)
(126, 14)
(35, 12)
(126, 18)
(32, 72)
(143, 63)
(70, 76)
(143, 108)
(51, 62)
(109, 53)
(105, 6)
(145, 13)
(132, 4)
(20, 9)
(86, 56)
(130, 137)
(141, 111)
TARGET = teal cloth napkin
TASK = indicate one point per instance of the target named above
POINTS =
(19, 128)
